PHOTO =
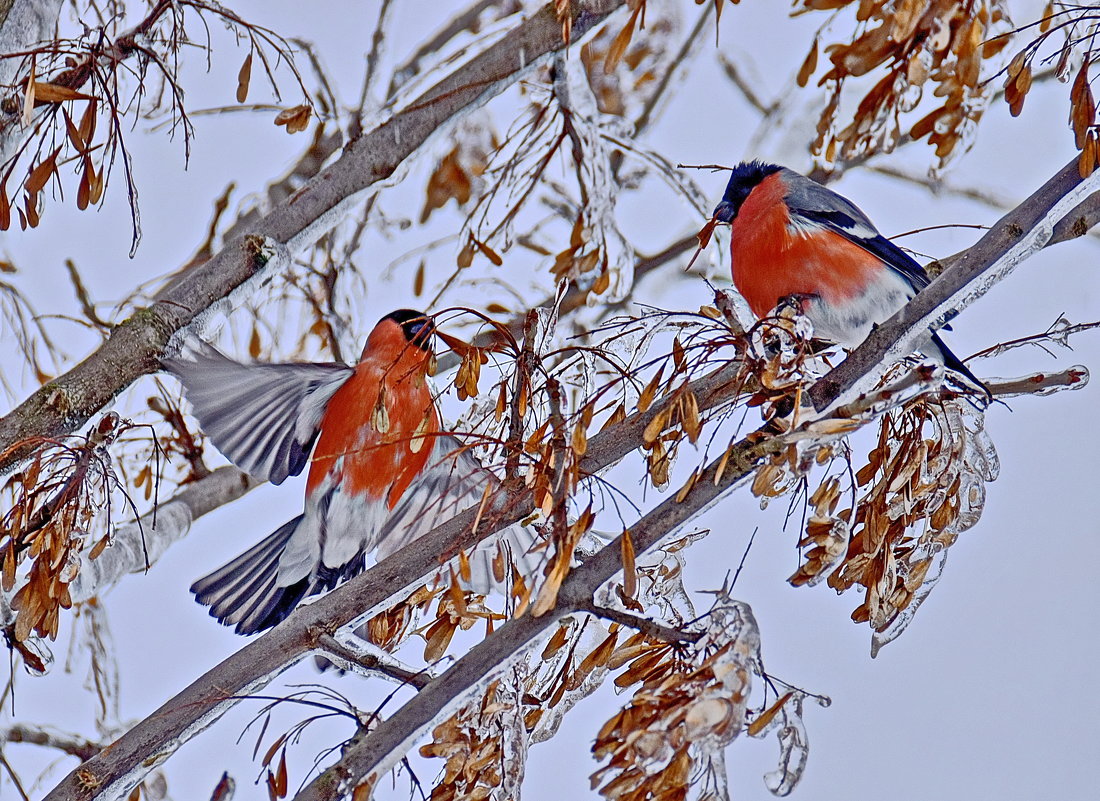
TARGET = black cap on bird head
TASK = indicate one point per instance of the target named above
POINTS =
(745, 177)
(417, 326)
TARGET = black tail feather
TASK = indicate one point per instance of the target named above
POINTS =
(244, 592)
(954, 363)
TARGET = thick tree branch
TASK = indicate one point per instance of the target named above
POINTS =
(138, 545)
(376, 753)
(133, 348)
(155, 739)
(119, 768)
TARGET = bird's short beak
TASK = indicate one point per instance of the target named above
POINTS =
(422, 331)
(724, 212)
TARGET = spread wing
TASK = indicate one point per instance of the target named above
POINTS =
(263, 417)
(452, 482)
(822, 206)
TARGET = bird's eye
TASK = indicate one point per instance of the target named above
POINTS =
(418, 330)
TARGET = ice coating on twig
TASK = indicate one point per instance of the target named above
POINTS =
(905, 616)
(591, 130)
(794, 748)
(129, 546)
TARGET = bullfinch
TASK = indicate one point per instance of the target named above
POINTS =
(382, 472)
(794, 238)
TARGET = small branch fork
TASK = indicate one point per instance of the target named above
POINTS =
(651, 628)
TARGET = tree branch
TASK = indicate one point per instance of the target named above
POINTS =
(652, 628)
(34, 735)
(382, 748)
(1016, 236)
(133, 348)
(368, 659)
(118, 769)
(138, 545)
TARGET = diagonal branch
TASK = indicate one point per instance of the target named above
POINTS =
(1019, 234)
(134, 346)
(138, 545)
(119, 768)
(381, 749)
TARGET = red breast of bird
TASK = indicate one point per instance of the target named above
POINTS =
(791, 236)
(376, 437)
(777, 252)
(371, 448)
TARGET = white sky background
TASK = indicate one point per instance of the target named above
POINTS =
(991, 692)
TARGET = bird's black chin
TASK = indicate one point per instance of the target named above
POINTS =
(725, 212)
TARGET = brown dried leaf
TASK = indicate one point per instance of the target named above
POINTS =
(270, 753)
(630, 568)
(580, 439)
(646, 398)
(621, 42)
(281, 777)
(809, 64)
(616, 417)
(87, 123)
(602, 283)
(655, 427)
(54, 93)
(295, 118)
(30, 207)
(39, 176)
(688, 486)
(418, 279)
(244, 76)
(764, 718)
(489, 253)
(557, 640)
(95, 181)
(598, 658)
(84, 188)
(465, 256)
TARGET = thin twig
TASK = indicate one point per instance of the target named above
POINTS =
(655, 630)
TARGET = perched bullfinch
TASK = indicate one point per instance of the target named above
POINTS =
(793, 237)
(382, 472)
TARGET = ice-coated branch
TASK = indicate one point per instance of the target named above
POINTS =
(1075, 377)
(1016, 236)
(120, 768)
(649, 626)
(382, 748)
(48, 738)
(134, 346)
(138, 545)
(354, 654)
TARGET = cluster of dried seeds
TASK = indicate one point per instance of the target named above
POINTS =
(475, 744)
(924, 483)
(693, 701)
(52, 506)
(916, 42)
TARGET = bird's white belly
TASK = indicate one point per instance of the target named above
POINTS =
(850, 322)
